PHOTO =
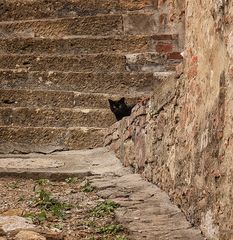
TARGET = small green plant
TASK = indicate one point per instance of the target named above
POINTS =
(71, 180)
(110, 229)
(36, 217)
(46, 202)
(87, 187)
(42, 182)
(121, 238)
(104, 208)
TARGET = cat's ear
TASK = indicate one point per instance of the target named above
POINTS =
(110, 101)
(122, 100)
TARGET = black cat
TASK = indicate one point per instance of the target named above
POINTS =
(120, 108)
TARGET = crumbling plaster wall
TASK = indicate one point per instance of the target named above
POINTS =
(203, 152)
(192, 135)
(182, 139)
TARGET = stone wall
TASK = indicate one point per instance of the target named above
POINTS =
(203, 150)
(182, 138)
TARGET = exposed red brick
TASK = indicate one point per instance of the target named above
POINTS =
(174, 55)
(194, 59)
(164, 47)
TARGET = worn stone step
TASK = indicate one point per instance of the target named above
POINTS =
(55, 117)
(44, 139)
(93, 25)
(78, 45)
(147, 62)
(35, 9)
(109, 24)
(61, 99)
(124, 83)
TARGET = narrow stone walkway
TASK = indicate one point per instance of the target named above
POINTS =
(145, 210)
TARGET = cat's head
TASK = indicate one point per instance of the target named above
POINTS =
(118, 105)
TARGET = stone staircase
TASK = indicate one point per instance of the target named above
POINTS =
(60, 61)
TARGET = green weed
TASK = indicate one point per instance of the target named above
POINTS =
(46, 202)
(110, 229)
(36, 217)
(104, 208)
(87, 187)
(71, 180)
(42, 182)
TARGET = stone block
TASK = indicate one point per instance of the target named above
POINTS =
(29, 235)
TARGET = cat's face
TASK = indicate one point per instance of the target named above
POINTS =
(117, 106)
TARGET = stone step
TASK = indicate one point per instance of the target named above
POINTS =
(50, 9)
(124, 83)
(90, 44)
(146, 62)
(61, 99)
(109, 24)
(55, 117)
(96, 25)
(46, 140)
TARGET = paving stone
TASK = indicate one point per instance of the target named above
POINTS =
(29, 235)
(13, 224)
(145, 210)
(30, 163)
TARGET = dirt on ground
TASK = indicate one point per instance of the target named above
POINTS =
(70, 208)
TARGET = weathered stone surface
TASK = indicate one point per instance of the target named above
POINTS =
(93, 25)
(61, 61)
(45, 9)
(145, 211)
(101, 100)
(111, 83)
(46, 43)
(110, 24)
(78, 163)
(150, 62)
(34, 163)
(84, 44)
(29, 235)
(82, 63)
(141, 23)
(46, 140)
(61, 99)
(188, 133)
(140, 62)
(13, 224)
(53, 117)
